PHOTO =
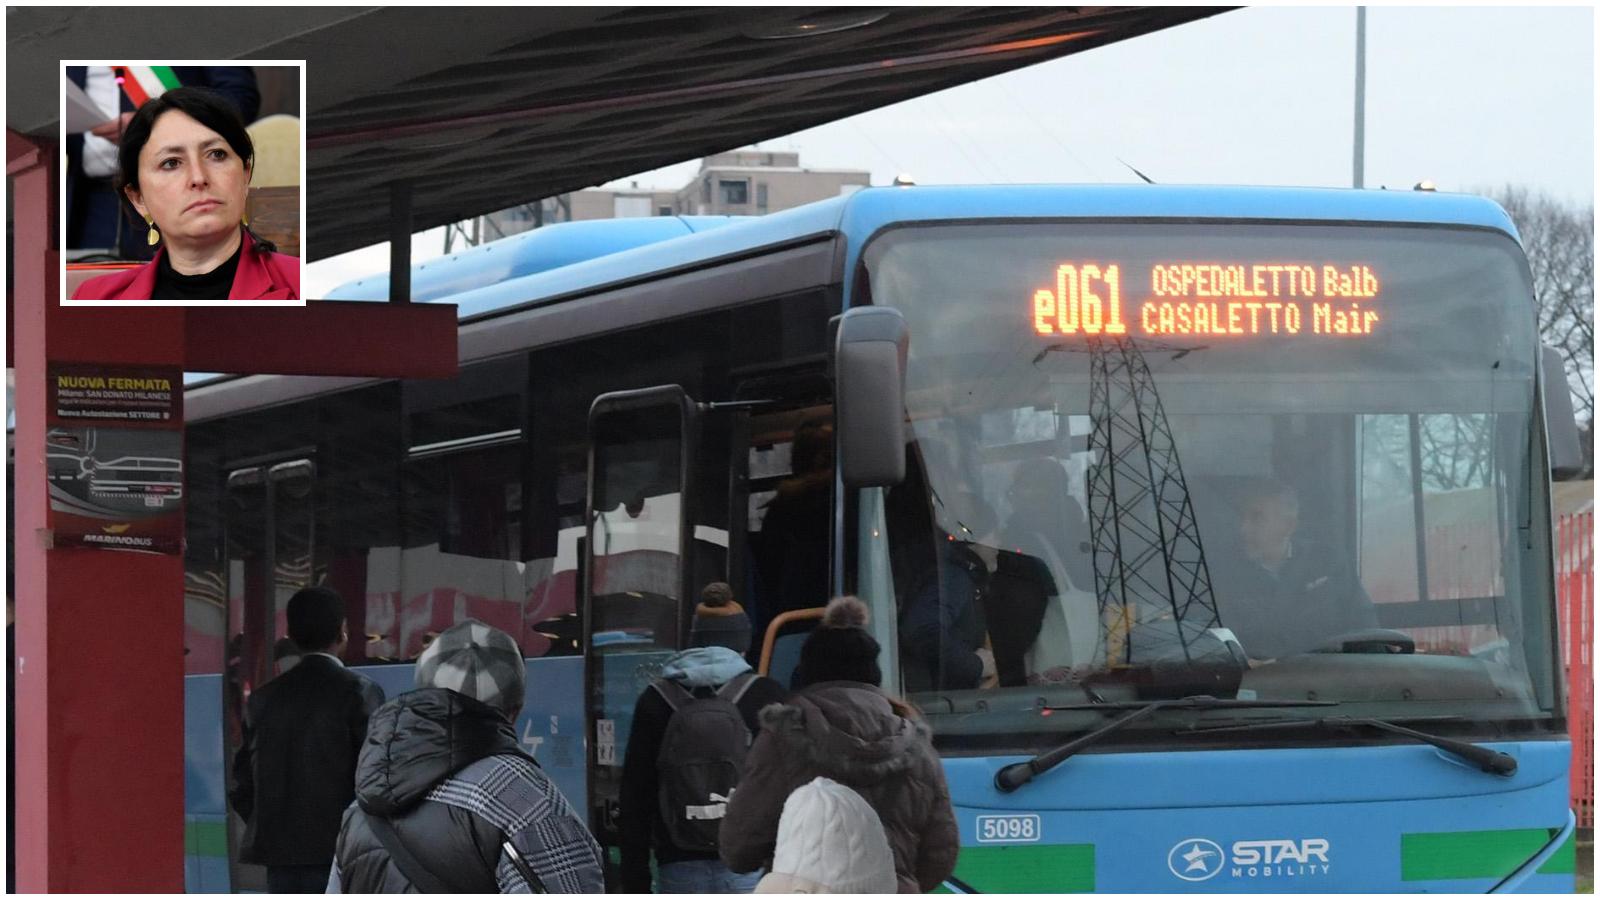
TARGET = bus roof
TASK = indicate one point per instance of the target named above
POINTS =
(870, 211)
(528, 253)
(576, 257)
(618, 250)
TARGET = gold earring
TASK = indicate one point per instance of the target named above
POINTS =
(245, 220)
(154, 237)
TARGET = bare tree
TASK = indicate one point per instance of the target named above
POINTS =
(1559, 241)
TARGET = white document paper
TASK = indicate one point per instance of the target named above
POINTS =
(81, 112)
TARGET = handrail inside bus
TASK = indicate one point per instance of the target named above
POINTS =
(773, 627)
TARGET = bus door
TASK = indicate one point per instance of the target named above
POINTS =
(636, 570)
(269, 521)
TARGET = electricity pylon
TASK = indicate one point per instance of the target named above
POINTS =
(1151, 581)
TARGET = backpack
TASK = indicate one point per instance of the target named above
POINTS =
(701, 759)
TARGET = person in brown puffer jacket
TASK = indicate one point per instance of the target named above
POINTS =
(841, 726)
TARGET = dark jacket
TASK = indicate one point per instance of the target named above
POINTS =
(792, 554)
(642, 828)
(1314, 596)
(295, 771)
(449, 775)
(848, 732)
(942, 623)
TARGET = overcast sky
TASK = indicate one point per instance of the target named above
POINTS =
(1469, 97)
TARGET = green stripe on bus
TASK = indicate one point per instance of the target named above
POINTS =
(1439, 856)
(1027, 869)
(1565, 860)
(205, 838)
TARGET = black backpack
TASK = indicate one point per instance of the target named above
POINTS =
(701, 759)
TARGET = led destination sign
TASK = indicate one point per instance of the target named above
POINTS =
(1213, 299)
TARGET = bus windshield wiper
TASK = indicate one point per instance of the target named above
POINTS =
(1492, 761)
(1016, 775)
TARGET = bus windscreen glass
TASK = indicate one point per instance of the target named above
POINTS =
(1263, 461)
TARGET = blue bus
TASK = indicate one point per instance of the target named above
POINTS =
(1207, 528)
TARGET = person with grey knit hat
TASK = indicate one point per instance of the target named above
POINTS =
(477, 660)
(662, 742)
(443, 787)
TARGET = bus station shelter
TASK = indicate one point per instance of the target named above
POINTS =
(415, 118)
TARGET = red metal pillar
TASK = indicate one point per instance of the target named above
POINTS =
(99, 669)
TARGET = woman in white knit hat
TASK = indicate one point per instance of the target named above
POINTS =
(829, 842)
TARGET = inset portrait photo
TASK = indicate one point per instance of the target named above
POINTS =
(183, 183)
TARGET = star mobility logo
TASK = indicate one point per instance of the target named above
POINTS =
(1199, 859)
(1195, 859)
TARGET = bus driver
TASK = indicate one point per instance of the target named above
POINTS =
(1280, 596)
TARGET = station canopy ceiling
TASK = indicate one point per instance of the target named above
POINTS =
(479, 109)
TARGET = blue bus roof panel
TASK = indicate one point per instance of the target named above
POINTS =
(528, 253)
(871, 210)
(540, 264)
(739, 236)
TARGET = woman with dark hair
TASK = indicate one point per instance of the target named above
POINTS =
(184, 166)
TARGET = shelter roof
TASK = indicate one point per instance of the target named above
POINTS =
(479, 109)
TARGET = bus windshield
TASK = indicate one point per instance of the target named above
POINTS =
(1262, 461)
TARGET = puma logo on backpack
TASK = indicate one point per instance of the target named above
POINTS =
(701, 759)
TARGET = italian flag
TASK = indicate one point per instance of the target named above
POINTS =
(141, 83)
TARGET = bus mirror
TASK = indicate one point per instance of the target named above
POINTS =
(1561, 423)
(869, 383)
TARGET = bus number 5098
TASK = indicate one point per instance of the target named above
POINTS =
(1008, 829)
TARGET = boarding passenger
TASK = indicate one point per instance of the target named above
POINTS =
(829, 842)
(1281, 596)
(295, 770)
(842, 726)
(691, 731)
(792, 547)
(184, 167)
(447, 799)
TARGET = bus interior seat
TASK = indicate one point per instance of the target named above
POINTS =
(780, 655)
(786, 657)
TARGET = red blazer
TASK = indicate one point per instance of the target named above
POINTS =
(261, 276)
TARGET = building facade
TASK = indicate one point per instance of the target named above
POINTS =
(738, 183)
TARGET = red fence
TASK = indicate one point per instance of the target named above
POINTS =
(1575, 605)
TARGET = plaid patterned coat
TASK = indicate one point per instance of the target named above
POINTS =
(448, 774)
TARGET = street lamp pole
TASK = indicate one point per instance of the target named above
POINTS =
(1361, 94)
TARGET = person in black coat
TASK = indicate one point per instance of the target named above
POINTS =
(93, 206)
(447, 799)
(295, 770)
(791, 549)
(719, 637)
